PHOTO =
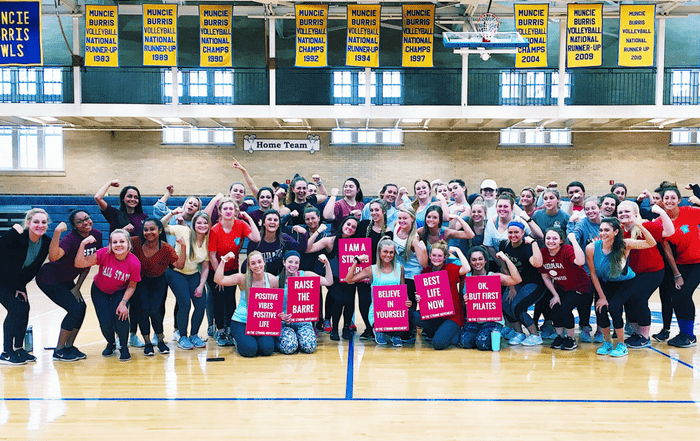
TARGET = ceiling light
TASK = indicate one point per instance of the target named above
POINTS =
(657, 120)
(172, 120)
(531, 120)
(48, 118)
(292, 120)
(412, 120)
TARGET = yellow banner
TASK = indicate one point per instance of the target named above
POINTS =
(215, 35)
(363, 35)
(637, 35)
(101, 36)
(418, 28)
(160, 35)
(312, 35)
(531, 22)
(584, 35)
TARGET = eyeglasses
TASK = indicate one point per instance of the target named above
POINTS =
(83, 220)
(488, 190)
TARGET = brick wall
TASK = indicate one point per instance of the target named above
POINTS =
(91, 158)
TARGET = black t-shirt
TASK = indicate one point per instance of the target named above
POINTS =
(364, 230)
(520, 257)
(311, 201)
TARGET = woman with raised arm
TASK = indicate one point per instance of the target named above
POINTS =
(298, 198)
(497, 226)
(475, 334)
(254, 277)
(528, 200)
(183, 215)
(298, 336)
(611, 276)
(274, 243)
(225, 237)
(647, 264)
(477, 222)
(22, 251)
(189, 283)
(315, 231)
(432, 230)
(113, 286)
(57, 279)
(682, 285)
(422, 201)
(386, 271)
(155, 255)
(412, 254)
(351, 204)
(343, 293)
(524, 252)
(267, 200)
(564, 276)
(445, 331)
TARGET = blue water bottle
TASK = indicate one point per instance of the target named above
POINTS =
(29, 339)
(496, 340)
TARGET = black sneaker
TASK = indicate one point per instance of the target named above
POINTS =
(640, 342)
(683, 340)
(632, 339)
(569, 344)
(11, 358)
(663, 335)
(148, 350)
(557, 343)
(334, 335)
(75, 351)
(109, 350)
(29, 358)
(368, 334)
(347, 333)
(163, 348)
(64, 355)
(125, 355)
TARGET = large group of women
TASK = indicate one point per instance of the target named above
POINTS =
(608, 254)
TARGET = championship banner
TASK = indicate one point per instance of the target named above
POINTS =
(160, 35)
(531, 23)
(312, 35)
(20, 33)
(483, 298)
(390, 310)
(418, 27)
(101, 36)
(348, 250)
(584, 35)
(264, 309)
(215, 35)
(435, 295)
(363, 35)
(636, 48)
(303, 298)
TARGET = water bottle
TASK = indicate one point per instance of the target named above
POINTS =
(496, 340)
(29, 339)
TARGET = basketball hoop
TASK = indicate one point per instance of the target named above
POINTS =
(487, 26)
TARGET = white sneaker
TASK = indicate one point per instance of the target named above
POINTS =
(519, 338)
(532, 340)
(176, 335)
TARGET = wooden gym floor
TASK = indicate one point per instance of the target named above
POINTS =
(347, 391)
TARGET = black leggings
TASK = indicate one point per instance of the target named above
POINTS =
(668, 285)
(224, 300)
(617, 293)
(60, 294)
(343, 302)
(17, 318)
(106, 309)
(562, 313)
(643, 286)
(364, 296)
(682, 298)
(151, 293)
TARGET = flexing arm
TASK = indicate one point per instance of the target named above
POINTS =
(254, 235)
(666, 221)
(579, 254)
(100, 195)
(536, 259)
(55, 251)
(233, 279)
(329, 209)
(322, 192)
(366, 273)
(465, 268)
(81, 260)
(465, 233)
(509, 279)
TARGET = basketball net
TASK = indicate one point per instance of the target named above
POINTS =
(487, 26)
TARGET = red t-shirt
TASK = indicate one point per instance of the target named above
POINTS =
(155, 265)
(563, 271)
(647, 260)
(687, 236)
(223, 242)
(113, 274)
(457, 301)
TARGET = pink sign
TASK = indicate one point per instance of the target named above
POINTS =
(390, 311)
(348, 249)
(303, 298)
(435, 295)
(264, 309)
(483, 298)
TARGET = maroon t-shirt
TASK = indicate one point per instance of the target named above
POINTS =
(155, 265)
(563, 271)
(64, 270)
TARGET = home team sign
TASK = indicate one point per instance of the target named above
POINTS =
(264, 308)
(311, 144)
(435, 295)
(303, 298)
(390, 310)
(483, 298)
(20, 33)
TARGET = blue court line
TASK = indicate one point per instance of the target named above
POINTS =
(351, 368)
(672, 358)
(419, 400)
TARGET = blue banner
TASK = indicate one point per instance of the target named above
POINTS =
(20, 33)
